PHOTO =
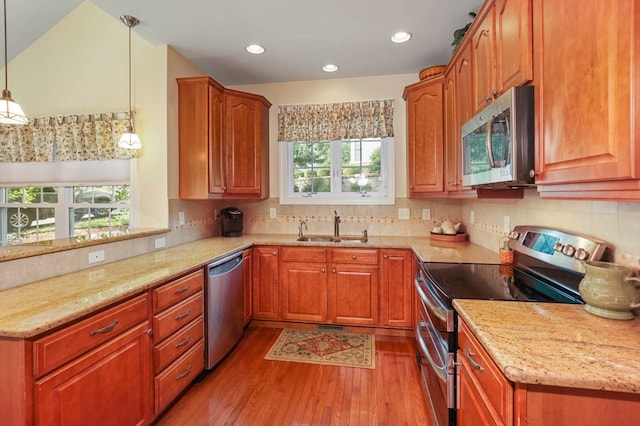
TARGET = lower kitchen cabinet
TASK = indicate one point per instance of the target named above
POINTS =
(265, 292)
(303, 279)
(396, 288)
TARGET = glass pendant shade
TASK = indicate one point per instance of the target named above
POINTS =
(130, 140)
(10, 112)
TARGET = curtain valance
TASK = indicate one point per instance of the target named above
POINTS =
(65, 138)
(345, 120)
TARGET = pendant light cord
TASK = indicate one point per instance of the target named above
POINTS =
(6, 78)
(130, 112)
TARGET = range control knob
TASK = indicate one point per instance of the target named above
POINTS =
(558, 246)
(569, 250)
(514, 235)
(581, 254)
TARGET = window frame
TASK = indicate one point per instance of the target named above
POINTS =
(385, 197)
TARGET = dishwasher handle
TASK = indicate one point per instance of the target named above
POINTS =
(225, 265)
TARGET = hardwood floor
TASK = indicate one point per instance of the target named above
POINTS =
(246, 389)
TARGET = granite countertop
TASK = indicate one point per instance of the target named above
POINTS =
(32, 309)
(556, 344)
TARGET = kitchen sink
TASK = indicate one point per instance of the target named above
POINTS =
(316, 239)
(330, 239)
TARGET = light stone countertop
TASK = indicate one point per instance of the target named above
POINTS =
(556, 344)
(32, 309)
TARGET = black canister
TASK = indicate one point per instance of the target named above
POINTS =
(231, 220)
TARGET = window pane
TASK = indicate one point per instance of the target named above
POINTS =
(361, 165)
(91, 223)
(311, 167)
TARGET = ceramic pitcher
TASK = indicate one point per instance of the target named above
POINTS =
(609, 291)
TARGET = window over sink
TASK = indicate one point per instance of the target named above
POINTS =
(349, 171)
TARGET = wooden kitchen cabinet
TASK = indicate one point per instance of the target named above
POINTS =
(353, 287)
(247, 280)
(107, 382)
(588, 108)
(396, 288)
(425, 137)
(223, 141)
(265, 282)
(502, 49)
(178, 334)
(303, 272)
(485, 396)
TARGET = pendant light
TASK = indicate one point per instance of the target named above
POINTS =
(129, 140)
(10, 111)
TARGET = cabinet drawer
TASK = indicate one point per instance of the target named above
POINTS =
(497, 389)
(62, 346)
(175, 291)
(303, 254)
(355, 256)
(178, 376)
(170, 320)
(180, 342)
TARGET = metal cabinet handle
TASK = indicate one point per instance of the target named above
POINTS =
(322, 270)
(495, 93)
(333, 270)
(386, 256)
(184, 342)
(275, 252)
(105, 329)
(353, 257)
(184, 315)
(149, 332)
(185, 374)
(472, 362)
(183, 290)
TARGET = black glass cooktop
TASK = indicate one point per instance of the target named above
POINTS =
(501, 282)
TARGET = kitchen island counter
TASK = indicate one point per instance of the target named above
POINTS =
(556, 344)
(32, 309)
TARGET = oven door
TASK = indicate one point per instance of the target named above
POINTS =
(435, 358)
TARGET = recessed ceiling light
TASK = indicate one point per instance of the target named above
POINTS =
(401, 37)
(256, 49)
(330, 68)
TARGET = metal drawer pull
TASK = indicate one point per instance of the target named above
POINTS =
(353, 257)
(184, 342)
(106, 329)
(185, 374)
(184, 315)
(183, 290)
(472, 362)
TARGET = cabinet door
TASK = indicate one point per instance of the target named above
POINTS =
(304, 291)
(587, 110)
(451, 134)
(514, 45)
(473, 409)
(245, 143)
(464, 83)
(396, 289)
(425, 133)
(483, 60)
(217, 153)
(265, 282)
(353, 294)
(247, 277)
(111, 385)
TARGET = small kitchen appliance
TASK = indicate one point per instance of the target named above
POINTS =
(231, 222)
(547, 266)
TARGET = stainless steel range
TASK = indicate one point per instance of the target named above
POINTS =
(547, 268)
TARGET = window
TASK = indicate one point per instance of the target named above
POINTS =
(34, 214)
(353, 171)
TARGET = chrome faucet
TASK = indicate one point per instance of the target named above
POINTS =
(336, 224)
(300, 234)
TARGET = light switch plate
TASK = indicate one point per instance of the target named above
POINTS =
(506, 227)
(472, 217)
(404, 214)
(159, 242)
(96, 256)
(181, 218)
(272, 213)
(426, 214)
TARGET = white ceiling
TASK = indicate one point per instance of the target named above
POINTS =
(300, 36)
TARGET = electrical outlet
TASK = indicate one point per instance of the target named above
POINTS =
(159, 242)
(404, 214)
(181, 218)
(426, 214)
(96, 256)
(506, 227)
(272, 213)
(472, 217)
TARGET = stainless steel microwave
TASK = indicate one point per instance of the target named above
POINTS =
(498, 143)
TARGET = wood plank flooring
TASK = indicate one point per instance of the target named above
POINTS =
(246, 389)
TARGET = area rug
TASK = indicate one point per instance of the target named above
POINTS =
(328, 347)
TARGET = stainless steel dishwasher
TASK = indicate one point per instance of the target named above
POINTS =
(224, 313)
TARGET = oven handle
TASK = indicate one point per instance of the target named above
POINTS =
(432, 302)
(441, 370)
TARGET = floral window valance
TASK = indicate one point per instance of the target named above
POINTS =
(346, 120)
(65, 138)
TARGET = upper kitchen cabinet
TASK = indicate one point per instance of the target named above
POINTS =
(588, 109)
(425, 135)
(501, 41)
(223, 141)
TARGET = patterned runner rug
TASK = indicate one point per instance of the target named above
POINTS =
(324, 347)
